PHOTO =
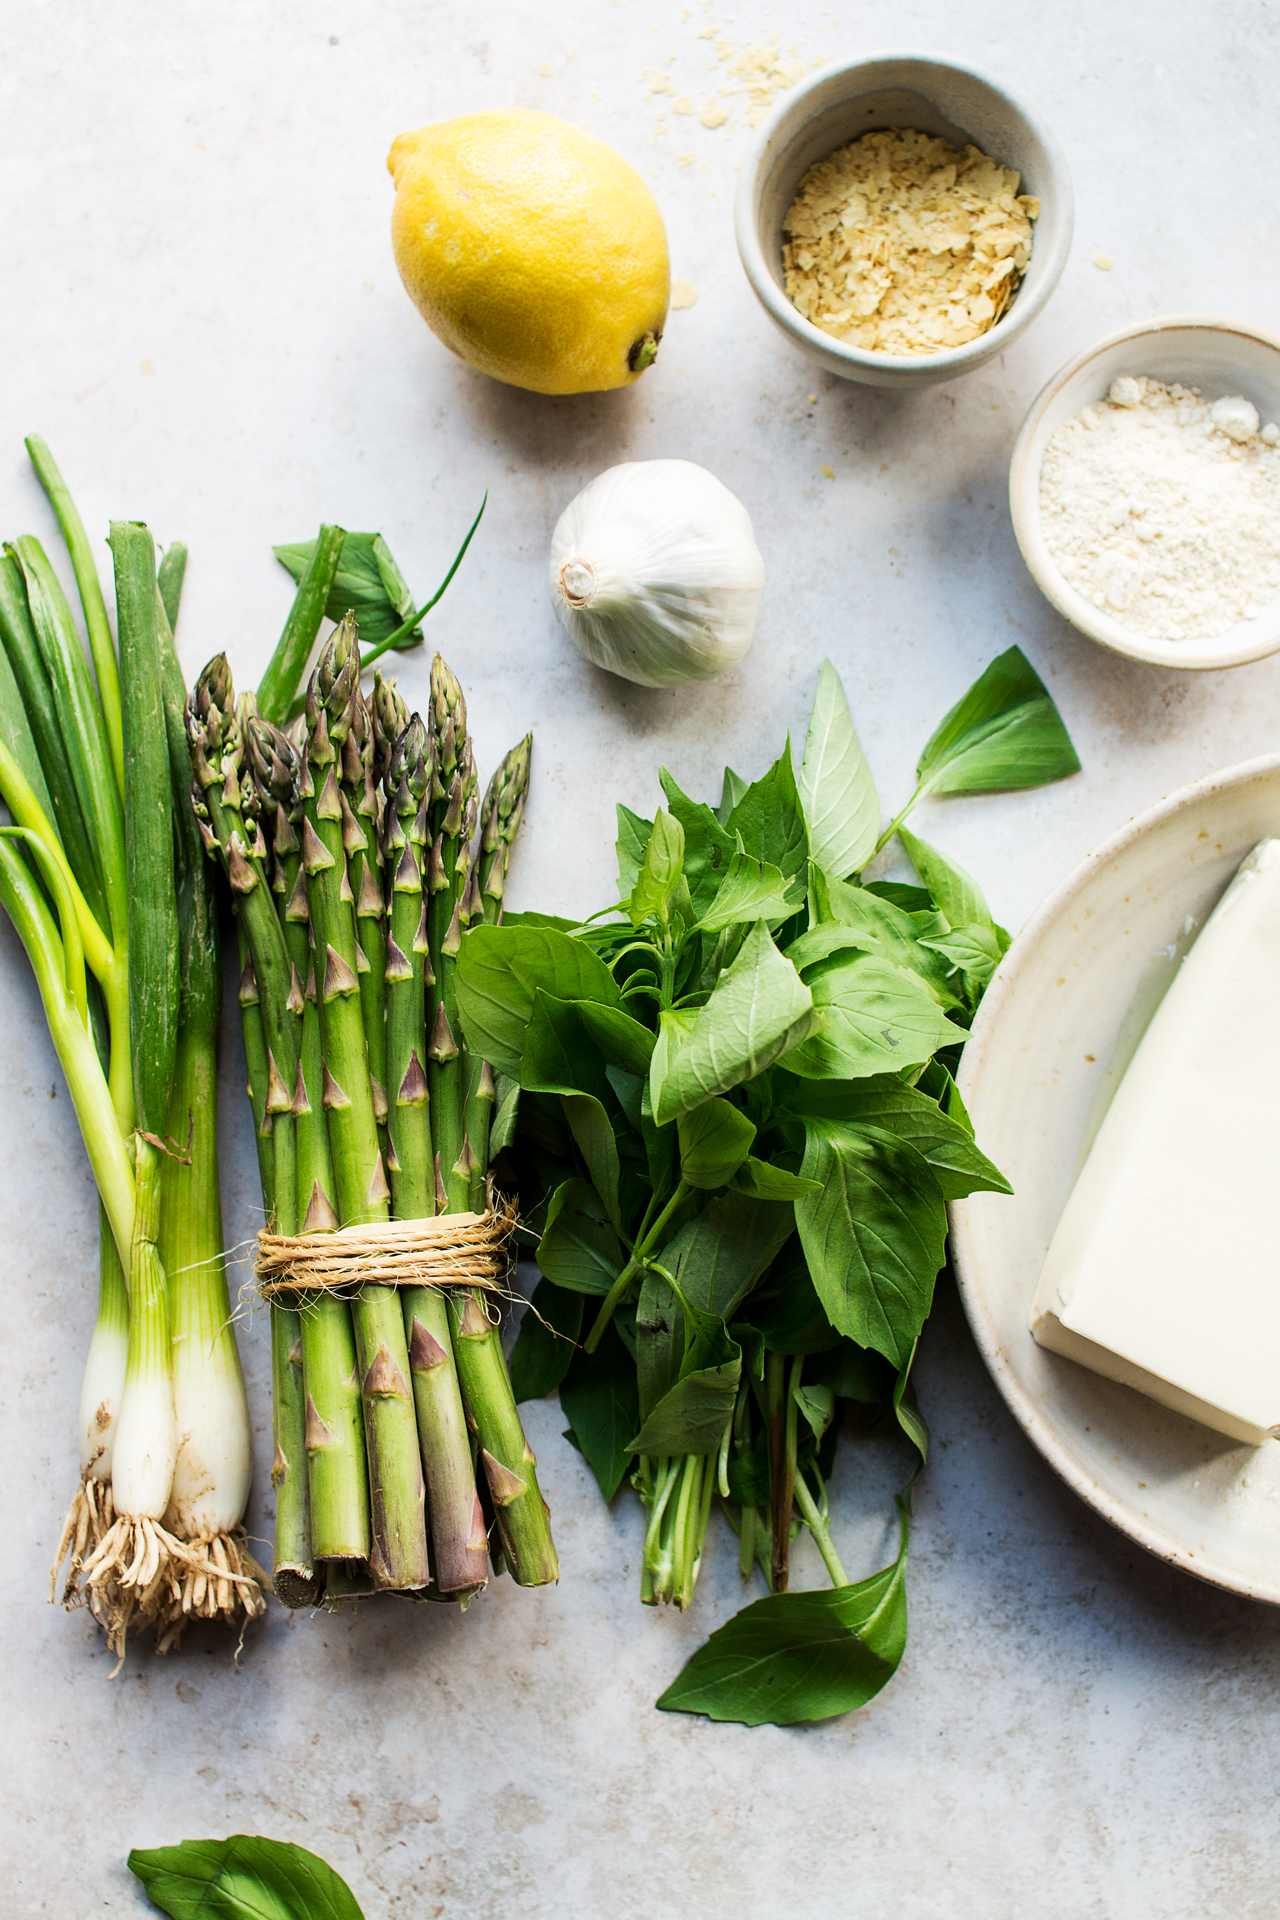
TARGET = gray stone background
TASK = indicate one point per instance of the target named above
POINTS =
(201, 314)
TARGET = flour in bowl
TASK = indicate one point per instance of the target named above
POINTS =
(1163, 509)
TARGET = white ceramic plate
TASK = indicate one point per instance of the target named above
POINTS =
(1055, 1031)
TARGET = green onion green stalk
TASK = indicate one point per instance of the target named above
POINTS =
(103, 880)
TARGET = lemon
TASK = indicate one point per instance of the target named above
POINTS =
(533, 251)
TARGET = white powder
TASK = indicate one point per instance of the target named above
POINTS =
(1164, 510)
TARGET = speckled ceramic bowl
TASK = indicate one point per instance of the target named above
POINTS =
(1056, 1029)
(931, 95)
(1219, 357)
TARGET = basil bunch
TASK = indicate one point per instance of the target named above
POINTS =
(729, 1108)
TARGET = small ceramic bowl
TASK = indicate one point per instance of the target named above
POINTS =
(933, 96)
(1220, 358)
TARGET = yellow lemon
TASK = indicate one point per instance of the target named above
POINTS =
(533, 251)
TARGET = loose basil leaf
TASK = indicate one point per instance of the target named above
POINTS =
(545, 1343)
(506, 1113)
(800, 1656)
(499, 969)
(731, 792)
(751, 890)
(758, 1010)
(841, 805)
(717, 1258)
(818, 1405)
(598, 1398)
(531, 919)
(244, 1877)
(692, 1416)
(770, 819)
(874, 1236)
(1003, 734)
(953, 892)
(633, 838)
(708, 849)
(367, 583)
(714, 1141)
(579, 1249)
(767, 1182)
(661, 872)
(881, 1101)
(879, 1018)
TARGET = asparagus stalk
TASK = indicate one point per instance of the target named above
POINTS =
(458, 1534)
(520, 1513)
(397, 1491)
(216, 755)
(334, 1434)
(500, 817)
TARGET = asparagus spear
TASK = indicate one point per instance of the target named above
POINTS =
(397, 1491)
(520, 1512)
(458, 1535)
(334, 1434)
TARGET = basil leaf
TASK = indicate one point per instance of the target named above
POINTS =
(660, 874)
(976, 951)
(718, 1257)
(770, 819)
(598, 1398)
(244, 1877)
(880, 927)
(855, 1373)
(714, 1141)
(883, 1102)
(367, 583)
(692, 1416)
(758, 1009)
(622, 1040)
(659, 1340)
(506, 1113)
(767, 1182)
(633, 838)
(579, 1249)
(751, 890)
(545, 1343)
(786, 1310)
(879, 1019)
(874, 1236)
(499, 969)
(955, 894)
(910, 1418)
(818, 1405)
(800, 1656)
(708, 849)
(731, 792)
(841, 805)
(1004, 733)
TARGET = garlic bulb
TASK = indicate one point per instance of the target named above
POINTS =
(656, 574)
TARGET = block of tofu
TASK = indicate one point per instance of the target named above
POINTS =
(1164, 1271)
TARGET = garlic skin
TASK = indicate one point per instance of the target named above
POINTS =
(655, 573)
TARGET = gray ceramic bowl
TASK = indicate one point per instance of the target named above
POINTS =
(898, 90)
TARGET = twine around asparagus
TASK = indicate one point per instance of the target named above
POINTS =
(449, 1250)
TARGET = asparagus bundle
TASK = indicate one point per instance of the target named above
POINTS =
(103, 880)
(347, 847)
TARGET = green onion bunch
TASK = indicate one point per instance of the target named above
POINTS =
(357, 851)
(102, 876)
